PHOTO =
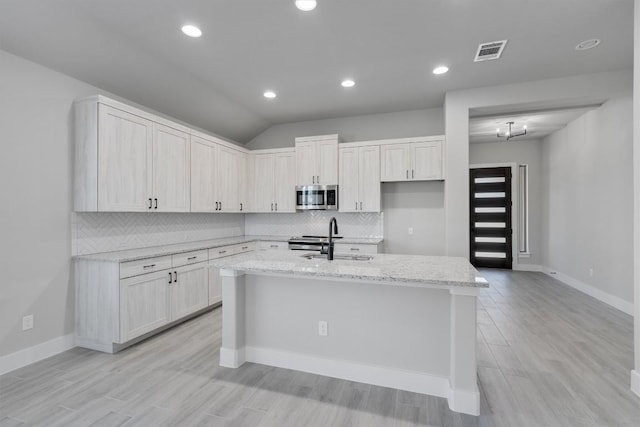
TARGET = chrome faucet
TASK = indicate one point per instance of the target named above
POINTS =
(332, 230)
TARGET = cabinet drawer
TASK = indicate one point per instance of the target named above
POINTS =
(189, 258)
(356, 248)
(143, 266)
(273, 245)
(221, 252)
(243, 247)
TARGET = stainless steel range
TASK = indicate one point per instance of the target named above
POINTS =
(310, 243)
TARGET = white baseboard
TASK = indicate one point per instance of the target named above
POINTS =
(465, 401)
(612, 300)
(635, 382)
(27, 356)
(528, 267)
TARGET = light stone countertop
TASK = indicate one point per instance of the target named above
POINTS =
(406, 270)
(155, 251)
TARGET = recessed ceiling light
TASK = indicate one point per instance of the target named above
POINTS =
(348, 83)
(192, 31)
(270, 94)
(588, 44)
(440, 70)
(306, 5)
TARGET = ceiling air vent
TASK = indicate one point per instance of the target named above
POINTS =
(489, 51)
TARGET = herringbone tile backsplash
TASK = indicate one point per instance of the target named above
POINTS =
(106, 232)
(314, 223)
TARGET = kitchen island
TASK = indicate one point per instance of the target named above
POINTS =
(401, 321)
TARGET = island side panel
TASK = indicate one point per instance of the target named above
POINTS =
(232, 352)
(389, 335)
(464, 395)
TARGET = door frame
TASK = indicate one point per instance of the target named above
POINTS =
(515, 243)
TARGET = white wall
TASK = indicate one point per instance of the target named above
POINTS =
(356, 128)
(520, 152)
(635, 374)
(588, 208)
(417, 205)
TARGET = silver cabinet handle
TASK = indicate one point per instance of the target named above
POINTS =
(360, 205)
(148, 266)
(170, 278)
(355, 249)
(175, 278)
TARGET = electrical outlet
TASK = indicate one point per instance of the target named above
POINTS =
(27, 322)
(323, 328)
(591, 272)
(410, 231)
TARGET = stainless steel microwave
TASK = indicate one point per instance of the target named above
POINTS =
(317, 197)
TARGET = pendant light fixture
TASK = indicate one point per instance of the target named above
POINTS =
(510, 133)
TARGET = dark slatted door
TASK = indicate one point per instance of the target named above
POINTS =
(490, 203)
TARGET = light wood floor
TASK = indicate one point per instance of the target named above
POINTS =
(547, 356)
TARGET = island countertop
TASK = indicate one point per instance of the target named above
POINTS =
(408, 270)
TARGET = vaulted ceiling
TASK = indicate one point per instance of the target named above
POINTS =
(134, 49)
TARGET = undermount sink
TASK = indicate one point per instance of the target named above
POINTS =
(339, 256)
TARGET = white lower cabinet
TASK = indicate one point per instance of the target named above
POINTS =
(188, 290)
(144, 304)
(215, 286)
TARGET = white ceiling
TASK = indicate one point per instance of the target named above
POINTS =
(539, 124)
(134, 48)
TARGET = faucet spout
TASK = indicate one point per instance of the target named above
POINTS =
(333, 228)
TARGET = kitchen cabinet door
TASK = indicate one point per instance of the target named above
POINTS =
(228, 179)
(124, 161)
(349, 180)
(427, 161)
(189, 290)
(243, 182)
(285, 182)
(171, 163)
(395, 162)
(263, 183)
(306, 163)
(369, 179)
(327, 162)
(144, 304)
(203, 175)
(215, 286)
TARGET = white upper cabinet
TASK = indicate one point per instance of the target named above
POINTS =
(272, 181)
(123, 164)
(217, 177)
(171, 176)
(360, 179)
(127, 162)
(204, 162)
(412, 161)
(317, 160)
